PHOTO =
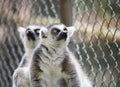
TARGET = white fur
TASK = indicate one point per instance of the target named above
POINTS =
(71, 30)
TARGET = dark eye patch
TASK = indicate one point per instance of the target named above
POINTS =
(65, 30)
(37, 31)
(28, 29)
(55, 31)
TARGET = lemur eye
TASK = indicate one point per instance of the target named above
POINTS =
(37, 31)
(55, 31)
(65, 30)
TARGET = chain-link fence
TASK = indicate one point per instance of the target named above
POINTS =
(96, 42)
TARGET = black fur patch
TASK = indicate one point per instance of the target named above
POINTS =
(62, 36)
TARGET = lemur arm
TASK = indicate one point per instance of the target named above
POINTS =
(77, 78)
(70, 70)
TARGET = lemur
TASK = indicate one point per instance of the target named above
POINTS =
(53, 65)
(30, 39)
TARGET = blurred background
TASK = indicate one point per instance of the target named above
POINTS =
(96, 42)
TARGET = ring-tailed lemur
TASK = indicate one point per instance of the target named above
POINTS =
(30, 39)
(53, 65)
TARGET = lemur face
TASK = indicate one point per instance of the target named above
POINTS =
(30, 36)
(32, 33)
(60, 32)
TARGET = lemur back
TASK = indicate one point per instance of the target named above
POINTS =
(53, 65)
(30, 39)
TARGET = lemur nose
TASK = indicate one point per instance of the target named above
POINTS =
(29, 33)
(63, 34)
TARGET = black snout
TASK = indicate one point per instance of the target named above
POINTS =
(62, 35)
(30, 35)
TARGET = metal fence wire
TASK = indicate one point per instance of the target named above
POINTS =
(96, 42)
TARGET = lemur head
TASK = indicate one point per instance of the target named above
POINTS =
(30, 36)
(58, 34)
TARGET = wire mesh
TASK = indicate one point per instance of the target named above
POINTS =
(96, 41)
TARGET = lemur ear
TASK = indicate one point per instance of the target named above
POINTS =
(21, 31)
(43, 32)
(71, 30)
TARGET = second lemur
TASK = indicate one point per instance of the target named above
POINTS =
(30, 39)
(53, 65)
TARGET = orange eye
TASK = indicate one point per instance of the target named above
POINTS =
(55, 31)
(37, 30)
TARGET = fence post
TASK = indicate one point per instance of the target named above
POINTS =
(66, 12)
(66, 17)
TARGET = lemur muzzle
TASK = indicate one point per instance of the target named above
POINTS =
(30, 35)
(62, 35)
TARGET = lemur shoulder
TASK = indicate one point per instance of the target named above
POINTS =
(53, 65)
(30, 39)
